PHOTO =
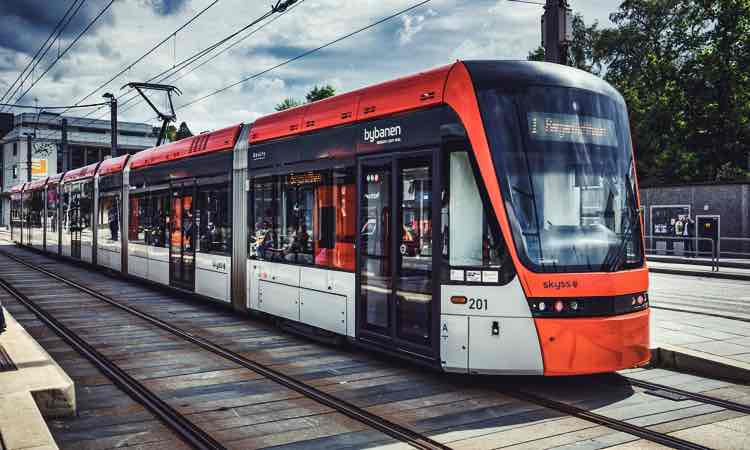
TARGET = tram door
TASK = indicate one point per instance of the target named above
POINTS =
(398, 301)
(182, 239)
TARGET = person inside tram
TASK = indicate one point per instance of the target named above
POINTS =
(113, 222)
(187, 228)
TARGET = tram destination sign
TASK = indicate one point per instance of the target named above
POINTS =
(572, 128)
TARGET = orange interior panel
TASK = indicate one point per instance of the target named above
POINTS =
(596, 344)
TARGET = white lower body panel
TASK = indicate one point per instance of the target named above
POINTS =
(492, 333)
(212, 276)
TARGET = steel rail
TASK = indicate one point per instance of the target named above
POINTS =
(575, 411)
(379, 423)
(615, 424)
(720, 402)
(721, 316)
(187, 430)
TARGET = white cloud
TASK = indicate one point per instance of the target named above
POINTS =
(432, 35)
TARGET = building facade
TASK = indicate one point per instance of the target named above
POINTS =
(719, 211)
(89, 140)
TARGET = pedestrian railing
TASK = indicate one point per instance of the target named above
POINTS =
(690, 247)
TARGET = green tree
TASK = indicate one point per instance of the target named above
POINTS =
(681, 67)
(288, 102)
(171, 133)
(183, 132)
(319, 93)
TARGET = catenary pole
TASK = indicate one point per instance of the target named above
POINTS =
(556, 31)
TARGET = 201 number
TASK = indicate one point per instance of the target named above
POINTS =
(478, 303)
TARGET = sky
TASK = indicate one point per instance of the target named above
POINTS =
(432, 35)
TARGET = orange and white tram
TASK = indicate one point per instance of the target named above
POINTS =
(482, 217)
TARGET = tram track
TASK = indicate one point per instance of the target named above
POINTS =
(187, 430)
(599, 419)
(394, 430)
(687, 395)
(376, 422)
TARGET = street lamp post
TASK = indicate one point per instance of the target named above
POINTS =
(557, 30)
(113, 120)
(28, 155)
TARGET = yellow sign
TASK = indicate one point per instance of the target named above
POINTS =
(38, 168)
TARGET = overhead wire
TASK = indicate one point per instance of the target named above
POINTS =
(18, 105)
(200, 54)
(304, 54)
(193, 69)
(139, 59)
(80, 35)
(12, 88)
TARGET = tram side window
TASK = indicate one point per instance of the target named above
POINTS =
(136, 230)
(214, 220)
(52, 205)
(469, 239)
(37, 208)
(86, 199)
(65, 212)
(157, 219)
(263, 239)
(305, 218)
(336, 221)
(109, 217)
(15, 212)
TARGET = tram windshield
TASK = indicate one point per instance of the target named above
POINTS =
(564, 161)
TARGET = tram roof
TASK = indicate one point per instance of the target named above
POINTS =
(113, 165)
(80, 173)
(36, 184)
(403, 94)
(56, 178)
(201, 144)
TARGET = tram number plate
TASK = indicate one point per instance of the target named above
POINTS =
(478, 303)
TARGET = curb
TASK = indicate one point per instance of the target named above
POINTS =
(668, 357)
(700, 273)
(692, 262)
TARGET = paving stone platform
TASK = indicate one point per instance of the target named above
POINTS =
(39, 388)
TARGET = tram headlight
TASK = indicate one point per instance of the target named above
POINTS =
(542, 306)
(574, 305)
(559, 306)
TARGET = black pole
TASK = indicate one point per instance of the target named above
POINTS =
(113, 126)
(554, 32)
(64, 143)
(28, 157)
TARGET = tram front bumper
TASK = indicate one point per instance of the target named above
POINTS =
(594, 344)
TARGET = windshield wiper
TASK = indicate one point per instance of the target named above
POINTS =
(613, 260)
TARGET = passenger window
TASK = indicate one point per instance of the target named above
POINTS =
(214, 220)
(157, 217)
(469, 237)
(109, 217)
(305, 218)
(138, 211)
